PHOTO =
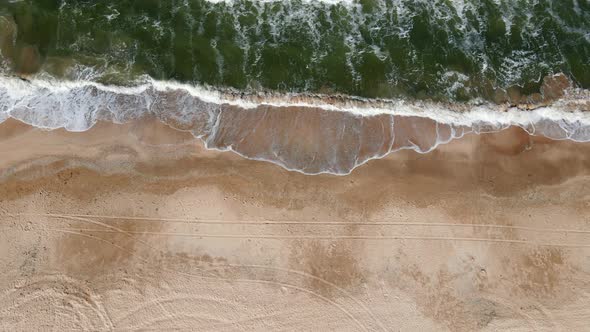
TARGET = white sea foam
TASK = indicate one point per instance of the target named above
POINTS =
(78, 105)
(80, 96)
(330, 2)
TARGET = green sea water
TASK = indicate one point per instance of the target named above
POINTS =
(437, 49)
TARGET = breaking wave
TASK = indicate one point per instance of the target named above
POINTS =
(450, 50)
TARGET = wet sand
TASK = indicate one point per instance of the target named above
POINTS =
(138, 227)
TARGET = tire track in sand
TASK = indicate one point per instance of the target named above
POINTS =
(242, 280)
(309, 222)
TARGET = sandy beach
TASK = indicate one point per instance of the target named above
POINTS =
(295, 165)
(138, 227)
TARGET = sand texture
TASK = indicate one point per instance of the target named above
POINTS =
(138, 227)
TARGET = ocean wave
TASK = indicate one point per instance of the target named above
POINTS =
(452, 50)
(308, 133)
(329, 2)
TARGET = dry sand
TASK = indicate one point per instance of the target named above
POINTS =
(137, 227)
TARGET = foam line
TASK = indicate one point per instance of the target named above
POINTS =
(307, 133)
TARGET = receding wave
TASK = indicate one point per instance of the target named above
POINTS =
(306, 133)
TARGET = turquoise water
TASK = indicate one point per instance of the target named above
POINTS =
(436, 49)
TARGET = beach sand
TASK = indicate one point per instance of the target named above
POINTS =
(138, 227)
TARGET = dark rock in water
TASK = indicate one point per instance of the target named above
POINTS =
(514, 94)
(535, 98)
(554, 86)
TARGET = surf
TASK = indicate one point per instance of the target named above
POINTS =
(308, 133)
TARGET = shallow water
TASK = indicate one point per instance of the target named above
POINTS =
(307, 133)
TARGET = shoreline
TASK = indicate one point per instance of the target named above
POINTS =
(123, 220)
(150, 144)
(296, 133)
